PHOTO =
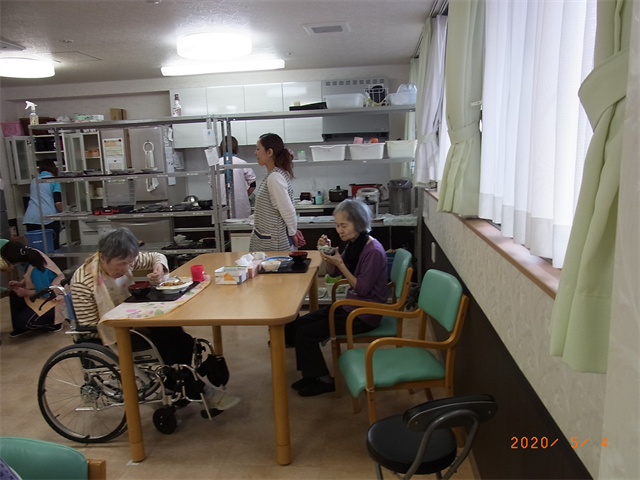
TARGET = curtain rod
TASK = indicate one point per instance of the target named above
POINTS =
(435, 11)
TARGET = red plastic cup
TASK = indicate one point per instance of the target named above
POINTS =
(197, 273)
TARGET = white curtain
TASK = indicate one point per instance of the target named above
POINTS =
(535, 132)
(429, 98)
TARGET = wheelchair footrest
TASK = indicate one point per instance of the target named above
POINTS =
(214, 412)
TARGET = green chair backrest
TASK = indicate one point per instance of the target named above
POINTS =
(39, 460)
(401, 262)
(440, 295)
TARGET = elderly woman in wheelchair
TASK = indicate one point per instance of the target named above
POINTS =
(79, 391)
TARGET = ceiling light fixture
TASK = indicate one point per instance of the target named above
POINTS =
(222, 67)
(214, 46)
(21, 67)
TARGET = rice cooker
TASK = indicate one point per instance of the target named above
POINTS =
(370, 196)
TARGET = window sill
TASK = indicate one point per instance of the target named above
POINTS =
(537, 269)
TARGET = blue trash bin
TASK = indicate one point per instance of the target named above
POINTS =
(34, 238)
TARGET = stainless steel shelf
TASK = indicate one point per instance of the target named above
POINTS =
(86, 250)
(132, 176)
(124, 216)
(311, 163)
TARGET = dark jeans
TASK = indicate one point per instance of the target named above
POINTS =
(23, 318)
(55, 226)
(306, 333)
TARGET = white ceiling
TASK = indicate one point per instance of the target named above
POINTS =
(131, 39)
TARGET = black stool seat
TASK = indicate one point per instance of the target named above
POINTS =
(391, 444)
(422, 441)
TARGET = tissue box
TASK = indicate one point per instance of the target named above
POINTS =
(231, 275)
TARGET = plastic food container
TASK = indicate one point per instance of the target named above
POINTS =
(402, 98)
(345, 100)
(366, 151)
(321, 153)
(402, 148)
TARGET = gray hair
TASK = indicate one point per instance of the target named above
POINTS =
(357, 212)
(120, 243)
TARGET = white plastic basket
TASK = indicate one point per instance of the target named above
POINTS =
(366, 151)
(345, 100)
(402, 148)
(323, 153)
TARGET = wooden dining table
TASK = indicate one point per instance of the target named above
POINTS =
(271, 299)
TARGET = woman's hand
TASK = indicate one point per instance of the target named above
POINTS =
(23, 292)
(298, 240)
(13, 284)
(157, 273)
(334, 260)
(324, 241)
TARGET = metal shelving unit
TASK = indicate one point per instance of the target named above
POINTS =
(218, 212)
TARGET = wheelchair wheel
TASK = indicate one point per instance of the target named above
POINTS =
(165, 421)
(80, 394)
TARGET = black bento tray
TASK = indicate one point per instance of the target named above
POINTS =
(291, 267)
(158, 296)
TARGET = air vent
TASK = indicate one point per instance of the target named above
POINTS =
(322, 28)
(73, 57)
(10, 47)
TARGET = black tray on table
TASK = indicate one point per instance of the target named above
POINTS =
(291, 267)
(159, 296)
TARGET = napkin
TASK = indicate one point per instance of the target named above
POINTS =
(251, 263)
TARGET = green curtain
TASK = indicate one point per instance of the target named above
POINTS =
(460, 186)
(582, 310)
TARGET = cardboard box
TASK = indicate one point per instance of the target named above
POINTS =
(118, 113)
(231, 275)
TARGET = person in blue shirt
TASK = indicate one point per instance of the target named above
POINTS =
(51, 197)
(40, 273)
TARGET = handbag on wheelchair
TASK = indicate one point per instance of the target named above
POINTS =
(215, 369)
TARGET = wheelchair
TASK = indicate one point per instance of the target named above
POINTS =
(80, 393)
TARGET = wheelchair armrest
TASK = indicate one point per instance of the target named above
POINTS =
(83, 328)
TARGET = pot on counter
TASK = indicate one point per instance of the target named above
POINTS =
(338, 194)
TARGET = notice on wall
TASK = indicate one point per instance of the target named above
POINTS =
(113, 150)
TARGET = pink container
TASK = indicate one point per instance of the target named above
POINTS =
(12, 129)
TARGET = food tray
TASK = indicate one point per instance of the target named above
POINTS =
(159, 296)
(291, 267)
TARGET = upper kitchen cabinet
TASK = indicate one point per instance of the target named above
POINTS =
(263, 98)
(193, 102)
(301, 130)
(228, 100)
(22, 164)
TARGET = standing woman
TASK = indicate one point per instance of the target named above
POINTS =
(275, 223)
(41, 273)
(51, 198)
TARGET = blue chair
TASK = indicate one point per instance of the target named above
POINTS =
(401, 273)
(413, 366)
(39, 460)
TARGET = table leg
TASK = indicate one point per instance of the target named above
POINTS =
(313, 294)
(280, 403)
(128, 378)
(217, 339)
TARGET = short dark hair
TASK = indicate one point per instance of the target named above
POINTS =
(48, 165)
(15, 252)
(357, 212)
(120, 243)
(234, 146)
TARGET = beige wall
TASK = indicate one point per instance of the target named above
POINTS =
(521, 313)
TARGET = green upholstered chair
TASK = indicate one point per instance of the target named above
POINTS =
(413, 366)
(400, 276)
(39, 460)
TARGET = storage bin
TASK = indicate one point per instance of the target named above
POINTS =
(366, 151)
(321, 153)
(345, 100)
(34, 238)
(402, 148)
(402, 98)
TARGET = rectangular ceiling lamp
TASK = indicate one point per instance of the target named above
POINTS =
(222, 67)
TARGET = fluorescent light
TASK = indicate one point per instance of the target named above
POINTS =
(21, 67)
(214, 46)
(222, 67)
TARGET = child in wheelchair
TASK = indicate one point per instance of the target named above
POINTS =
(168, 361)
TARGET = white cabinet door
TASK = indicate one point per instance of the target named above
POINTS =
(193, 102)
(228, 100)
(23, 167)
(263, 98)
(302, 130)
